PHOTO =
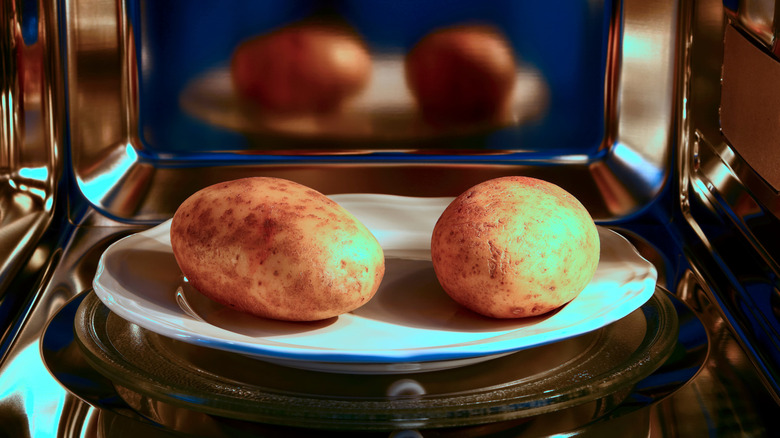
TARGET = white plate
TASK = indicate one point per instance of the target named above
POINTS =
(410, 325)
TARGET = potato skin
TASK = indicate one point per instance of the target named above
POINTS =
(301, 69)
(461, 74)
(514, 247)
(276, 249)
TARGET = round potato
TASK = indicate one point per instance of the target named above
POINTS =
(276, 249)
(462, 74)
(514, 247)
(304, 68)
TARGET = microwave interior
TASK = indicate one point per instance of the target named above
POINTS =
(156, 110)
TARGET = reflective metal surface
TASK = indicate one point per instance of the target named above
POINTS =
(616, 176)
(31, 133)
(733, 212)
(749, 99)
(759, 18)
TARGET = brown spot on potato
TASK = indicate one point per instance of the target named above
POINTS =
(286, 271)
(250, 220)
(500, 233)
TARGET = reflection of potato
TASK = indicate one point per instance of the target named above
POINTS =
(276, 249)
(305, 68)
(462, 74)
(514, 247)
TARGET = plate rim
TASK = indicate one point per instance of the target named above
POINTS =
(290, 352)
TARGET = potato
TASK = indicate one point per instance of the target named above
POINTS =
(514, 247)
(303, 68)
(462, 74)
(276, 249)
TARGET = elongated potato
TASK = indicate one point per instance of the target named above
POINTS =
(301, 69)
(276, 249)
(515, 247)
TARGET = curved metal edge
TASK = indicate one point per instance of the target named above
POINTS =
(31, 150)
(627, 175)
